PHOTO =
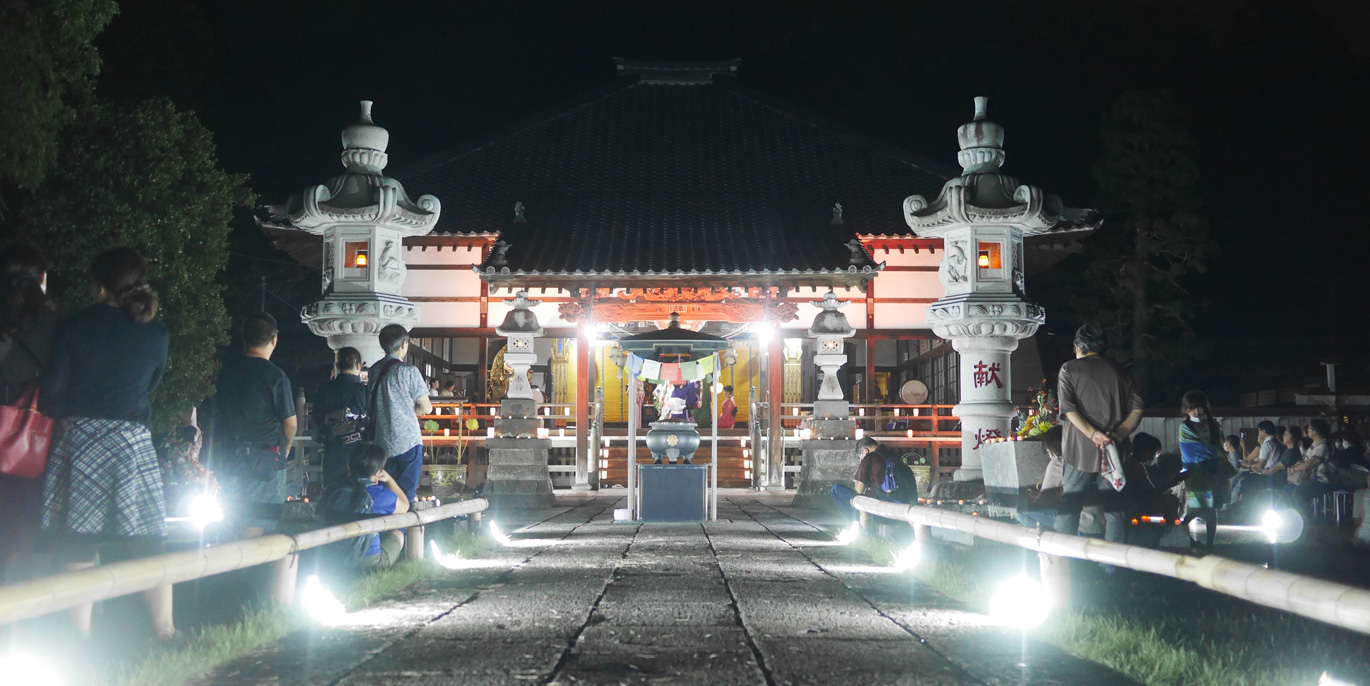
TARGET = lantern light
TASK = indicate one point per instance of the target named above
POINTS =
(361, 258)
(984, 259)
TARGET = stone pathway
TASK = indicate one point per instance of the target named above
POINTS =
(763, 596)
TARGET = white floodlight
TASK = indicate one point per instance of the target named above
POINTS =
(1271, 523)
(320, 603)
(450, 560)
(498, 534)
(1020, 602)
(763, 332)
(849, 535)
(1329, 680)
(24, 668)
(204, 510)
(908, 558)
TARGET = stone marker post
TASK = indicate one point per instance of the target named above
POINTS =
(518, 476)
(830, 450)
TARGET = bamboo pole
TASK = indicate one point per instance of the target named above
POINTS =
(1340, 605)
(64, 591)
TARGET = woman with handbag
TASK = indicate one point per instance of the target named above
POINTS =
(103, 482)
(28, 321)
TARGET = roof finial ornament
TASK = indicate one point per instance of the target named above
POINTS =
(518, 212)
(837, 214)
(858, 252)
(497, 255)
(364, 144)
(982, 142)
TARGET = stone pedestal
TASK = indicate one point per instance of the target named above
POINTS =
(518, 476)
(517, 418)
(1011, 468)
(826, 462)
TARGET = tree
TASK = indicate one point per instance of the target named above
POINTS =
(1153, 238)
(145, 175)
(49, 64)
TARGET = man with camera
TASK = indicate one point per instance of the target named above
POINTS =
(339, 414)
(254, 429)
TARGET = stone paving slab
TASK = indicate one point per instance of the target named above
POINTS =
(764, 596)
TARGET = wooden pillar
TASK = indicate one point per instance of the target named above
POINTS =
(775, 395)
(584, 331)
(869, 383)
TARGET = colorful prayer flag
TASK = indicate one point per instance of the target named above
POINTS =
(670, 373)
(634, 364)
(689, 371)
(651, 370)
(706, 365)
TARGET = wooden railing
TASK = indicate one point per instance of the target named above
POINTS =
(1337, 604)
(64, 591)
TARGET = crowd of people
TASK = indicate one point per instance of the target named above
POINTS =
(1210, 478)
(103, 483)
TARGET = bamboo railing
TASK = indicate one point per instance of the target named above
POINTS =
(63, 591)
(1340, 605)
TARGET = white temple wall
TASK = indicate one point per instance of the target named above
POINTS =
(901, 316)
(907, 285)
(448, 315)
(446, 256)
(440, 282)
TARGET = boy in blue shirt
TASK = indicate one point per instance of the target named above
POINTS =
(382, 497)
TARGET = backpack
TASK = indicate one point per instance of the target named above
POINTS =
(899, 484)
(346, 500)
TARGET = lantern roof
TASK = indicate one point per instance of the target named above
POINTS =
(362, 196)
(982, 194)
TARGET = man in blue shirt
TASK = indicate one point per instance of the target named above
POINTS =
(398, 396)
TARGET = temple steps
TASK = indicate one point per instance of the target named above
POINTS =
(732, 469)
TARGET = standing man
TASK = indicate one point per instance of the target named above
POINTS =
(1100, 400)
(339, 414)
(254, 429)
(727, 410)
(398, 395)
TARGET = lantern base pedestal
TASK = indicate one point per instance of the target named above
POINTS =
(1010, 468)
(826, 462)
(517, 477)
(517, 418)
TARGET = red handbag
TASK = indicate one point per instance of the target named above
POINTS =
(25, 435)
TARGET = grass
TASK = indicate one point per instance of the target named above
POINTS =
(1159, 631)
(214, 646)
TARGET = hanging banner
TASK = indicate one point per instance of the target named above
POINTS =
(670, 373)
(707, 365)
(689, 371)
(651, 370)
(635, 364)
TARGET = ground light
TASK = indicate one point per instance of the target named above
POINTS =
(204, 510)
(445, 560)
(319, 602)
(1329, 680)
(1020, 602)
(24, 668)
(849, 535)
(498, 534)
(908, 558)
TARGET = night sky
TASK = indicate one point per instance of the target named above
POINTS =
(1275, 93)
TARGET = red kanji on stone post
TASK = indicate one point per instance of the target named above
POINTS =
(986, 374)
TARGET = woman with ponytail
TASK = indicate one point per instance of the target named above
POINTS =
(103, 484)
(1201, 440)
(28, 321)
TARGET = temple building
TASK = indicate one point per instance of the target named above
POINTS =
(674, 190)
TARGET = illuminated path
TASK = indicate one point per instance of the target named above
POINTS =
(762, 596)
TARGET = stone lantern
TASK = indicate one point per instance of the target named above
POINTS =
(982, 217)
(363, 217)
(829, 445)
(518, 475)
(830, 330)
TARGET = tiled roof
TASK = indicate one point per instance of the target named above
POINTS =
(674, 179)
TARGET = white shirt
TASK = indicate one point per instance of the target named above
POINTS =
(1270, 452)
